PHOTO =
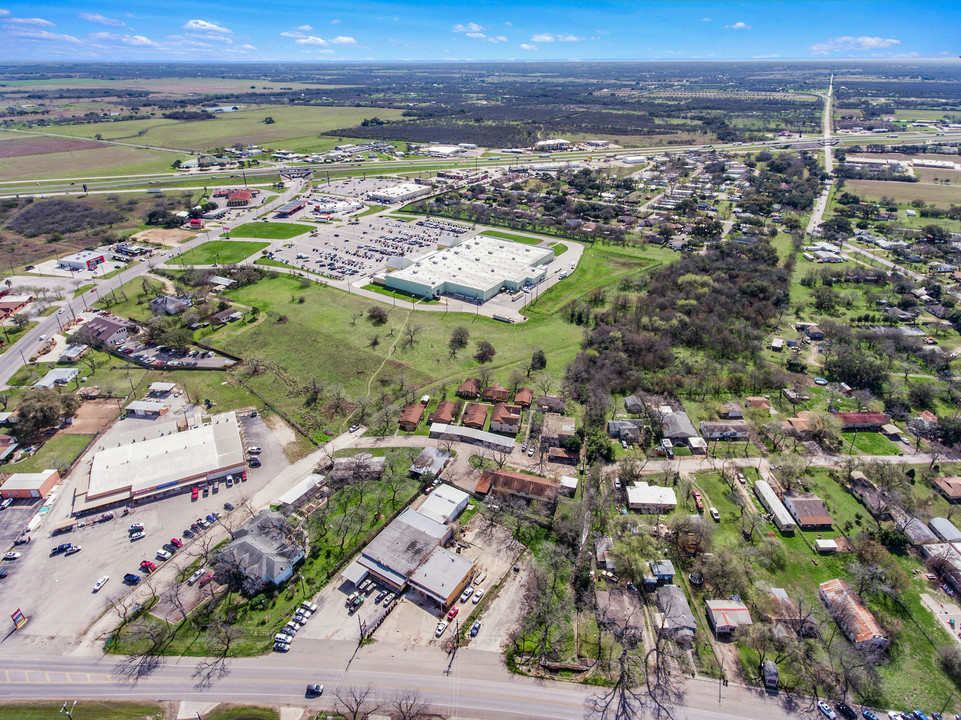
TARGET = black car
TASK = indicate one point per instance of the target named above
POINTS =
(846, 711)
(61, 549)
(254, 462)
(315, 690)
(131, 578)
(228, 506)
(188, 533)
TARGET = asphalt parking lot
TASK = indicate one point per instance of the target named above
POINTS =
(158, 356)
(62, 605)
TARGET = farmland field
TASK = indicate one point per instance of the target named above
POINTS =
(270, 230)
(930, 174)
(874, 190)
(245, 126)
(222, 252)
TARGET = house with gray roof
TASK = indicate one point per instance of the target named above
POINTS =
(678, 621)
(262, 551)
(677, 427)
(945, 529)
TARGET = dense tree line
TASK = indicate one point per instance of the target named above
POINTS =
(61, 216)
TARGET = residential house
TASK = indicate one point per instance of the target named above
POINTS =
(226, 316)
(662, 570)
(917, 532)
(627, 430)
(808, 510)
(677, 427)
(868, 421)
(563, 456)
(633, 404)
(758, 402)
(506, 419)
(524, 397)
(726, 616)
(772, 503)
(732, 411)
(725, 430)
(360, 466)
(168, 305)
(949, 487)
(651, 499)
(678, 620)
(476, 416)
(470, 388)
(410, 417)
(551, 403)
(855, 620)
(556, 429)
(510, 482)
(927, 420)
(444, 412)
(945, 529)
(602, 553)
(431, 460)
(496, 393)
(801, 425)
(814, 332)
(263, 551)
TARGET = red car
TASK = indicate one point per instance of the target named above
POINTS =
(148, 566)
(206, 579)
(195, 493)
(176, 542)
(453, 613)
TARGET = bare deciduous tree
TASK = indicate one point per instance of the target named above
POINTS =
(355, 703)
(408, 705)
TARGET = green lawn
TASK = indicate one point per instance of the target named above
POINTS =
(83, 710)
(870, 443)
(242, 712)
(370, 211)
(82, 289)
(514, 238)
(221, 252)
(270, 230)
(58, 452)
(380, 289)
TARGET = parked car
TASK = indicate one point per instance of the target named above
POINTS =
(100, 583)
(846, 711)
(176, 542)
(315, 690)
(281, 647)
(206, 579)
(466, 595)
(826, 710)
(353, 428)
(148, 565)
(139, 535)
(441, 627)
(350, 598)
(131, 579)
(453, 613)
(72, 549)
(61, 549)
(254, 450)
(195, 577)
(228, 506)
(163, 554)
(11, 556)
(868, 715)
(478, 595)
(281, 637)
(309, 606)
(254, 462)
(389, 599)
(715, 514)
(136, 527)
(188, 533)
(475, 628)
(380, 596)
(22, 540)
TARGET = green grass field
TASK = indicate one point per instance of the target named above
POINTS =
(514, 238)
(242, 712)
(221, 252)
(83, 710)
(870, 443)
(904, 193)
(58, 452)
(270, 230)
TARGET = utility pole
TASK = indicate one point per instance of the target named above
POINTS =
(68, 713)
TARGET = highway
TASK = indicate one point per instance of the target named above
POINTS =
(474, 685)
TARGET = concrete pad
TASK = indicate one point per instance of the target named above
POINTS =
(190, 709)
(291, 713)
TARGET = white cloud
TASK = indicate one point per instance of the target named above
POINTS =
(738, 26)
(206, 27)
(311, 40)
(509, 24)
(35, 22)
(764, 57)
(335, 21)
(468, 28)
(343, 40)
(292, 34)
(568, 38)
(543, 37)
(247, 47)
(138, 41)
(304, 28)
(101, 20)
(525, 46)
(497, 39)
(705, 19)
(478, 35)
(4, 13)
(104, 36)
(45, 35)
(847, 43)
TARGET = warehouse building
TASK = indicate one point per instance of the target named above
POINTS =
(29, 485)
(405, 192)
(478, 268)
(83, 260)
(772, 503)
(151, 469)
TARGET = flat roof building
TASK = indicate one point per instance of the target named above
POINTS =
(808, 510)
(444, 504)
(431, 460)
(945, 529)
(653, 499)
(470, 435)
(399, 193)
(442, 576)
(163, 465)
(29, 485)
(772, 503)
(476, 268)
(726, 616)
(83, 260)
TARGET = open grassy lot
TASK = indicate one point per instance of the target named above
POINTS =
(902, 192)
(222, 252)
(246, 126)
(270, 230)
(58, 452)
(84, 710)
(512, 237)
(870, 443)
(242, 712)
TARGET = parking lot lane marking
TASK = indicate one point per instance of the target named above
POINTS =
(33, 675)
(5, 678)
(59, 678)
(79, 678)
(16, 677)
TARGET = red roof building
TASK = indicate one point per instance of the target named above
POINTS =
(509, 482)
(872, 421)
(444, 412)
(470, 389)
(851, 615)
(476, 416)
(411, 416)
(239, 198)
(524, 397)
(496, 393)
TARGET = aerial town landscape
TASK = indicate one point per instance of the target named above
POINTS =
(349, 386)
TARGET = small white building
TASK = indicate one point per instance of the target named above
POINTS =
(651, 499)
(444, 503)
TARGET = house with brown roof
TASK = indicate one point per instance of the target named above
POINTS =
(928, 420)
(551, 403)
(111, 331)
(808, 510)
(758, 402)
(506, 419)
(496, 393)
(563, 456)
(732, 411)
(725, 430)
(949, 487)
(444, 412)
(410, 417)
(850, 613)
(524, 397)
(869, 421)
(471, 388)
(801, 425)
(476, 416)
(239, 198)
(509, 482)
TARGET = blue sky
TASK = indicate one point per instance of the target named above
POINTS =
(366, 30)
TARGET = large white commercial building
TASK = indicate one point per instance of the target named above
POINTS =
(477, 268)
(405, 192)
(166, 465)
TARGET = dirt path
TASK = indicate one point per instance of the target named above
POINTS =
(281, 430)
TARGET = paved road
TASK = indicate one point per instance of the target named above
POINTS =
(477, 685)
(821, 204)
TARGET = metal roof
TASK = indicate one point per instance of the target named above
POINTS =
(442, 573)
